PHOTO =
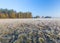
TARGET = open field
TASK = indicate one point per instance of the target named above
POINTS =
(30, 30)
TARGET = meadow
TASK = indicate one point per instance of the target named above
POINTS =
(30, 30)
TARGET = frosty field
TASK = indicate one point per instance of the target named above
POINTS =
(30, 30)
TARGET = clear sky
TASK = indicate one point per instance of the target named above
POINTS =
(37, 7)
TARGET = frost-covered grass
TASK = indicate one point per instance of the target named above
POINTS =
(30, 30)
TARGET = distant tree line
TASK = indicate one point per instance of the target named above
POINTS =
(42, 17)
(5, 13)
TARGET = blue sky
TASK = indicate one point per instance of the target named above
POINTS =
(37, 7)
